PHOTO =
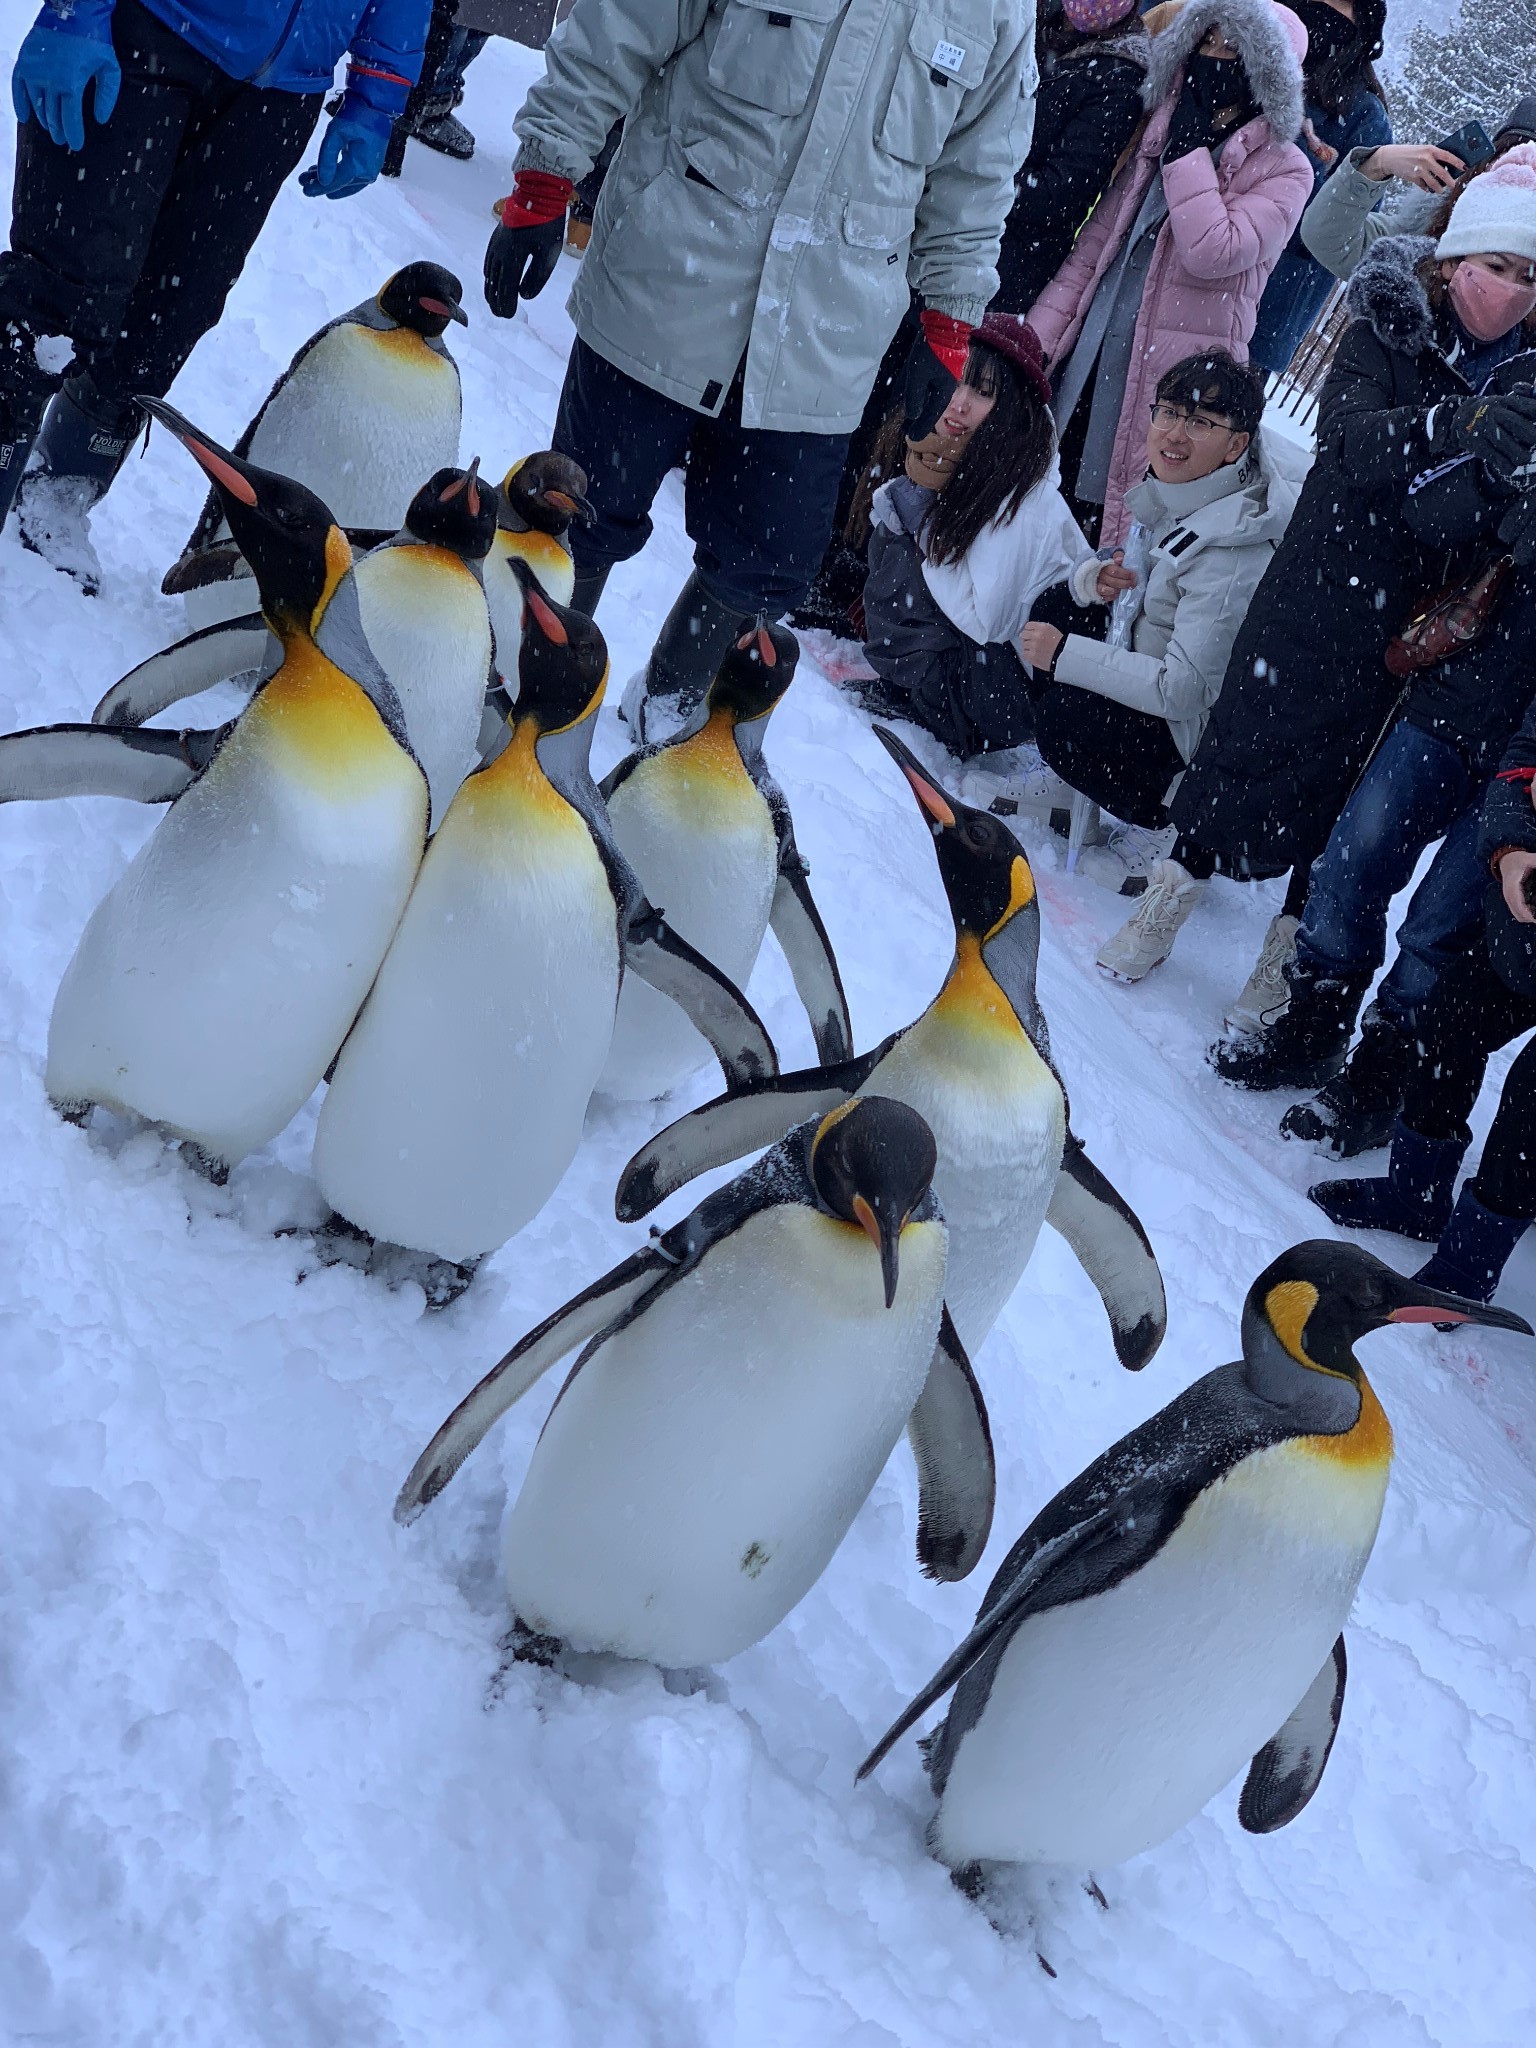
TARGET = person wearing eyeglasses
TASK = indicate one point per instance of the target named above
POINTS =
(1119, 723)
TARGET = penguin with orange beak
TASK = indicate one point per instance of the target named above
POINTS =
(1176, 1613)
(458, 1100)
(743, 1381)
(977, 1066)
(707, 829)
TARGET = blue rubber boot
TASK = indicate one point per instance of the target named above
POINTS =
(1473, 1249)
(1413, 1197)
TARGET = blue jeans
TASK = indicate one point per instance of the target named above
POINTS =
(757, 504)
(1415, 789)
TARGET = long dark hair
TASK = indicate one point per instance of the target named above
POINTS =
(1055, 37)
(1009, 453)
(1333, 84)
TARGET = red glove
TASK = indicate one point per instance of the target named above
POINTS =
(525, 247)
(537, 196)
(934, 368)
(949, 339)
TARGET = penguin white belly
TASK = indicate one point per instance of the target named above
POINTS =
(700, 837)
(703, 1464)
(458, 1100)
(215, 980)
(553, 570)
(424, 615)
(364, 420)
(999, 1121)
(1112, 1721)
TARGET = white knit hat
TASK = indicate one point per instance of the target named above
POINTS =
(1496, 214)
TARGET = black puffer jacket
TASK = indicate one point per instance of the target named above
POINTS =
(1086, 111)
(1476, 700)
(1509, 819)
(1380, 524)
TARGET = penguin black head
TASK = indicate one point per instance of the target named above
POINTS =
(425, 297)
(1318, 1299)
(755, 672)
(562, 664)
(297, 552)
(986, 875)
(547, 491)
(456, 510)
(872, 1162)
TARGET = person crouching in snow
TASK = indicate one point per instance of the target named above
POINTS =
(1119, 723)
(962, 541)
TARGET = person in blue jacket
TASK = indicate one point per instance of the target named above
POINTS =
(1345, 111)
(154, 136)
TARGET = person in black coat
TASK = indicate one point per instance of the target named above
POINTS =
(1481, 1003)
(1093, 63)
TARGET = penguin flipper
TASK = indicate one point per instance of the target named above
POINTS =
(1113, 1250)
(797, 925)
(218, 560)
(211, 656)
(732, 1126)
(585, 1316)
(951, 1440)
(1289, 1768)
(711, 1003)
(91, 760)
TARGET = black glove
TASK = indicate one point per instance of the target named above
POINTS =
(1517, 530)
(930, 383)
(521, 255)
(1499, 429)
(1190, 128)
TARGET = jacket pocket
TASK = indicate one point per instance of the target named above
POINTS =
(946, 56)
(767, 52)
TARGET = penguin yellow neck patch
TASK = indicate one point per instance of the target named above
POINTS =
(515, 785)
(1288, 1306)
(325, 727)
(1368, 1443)
(971, 997)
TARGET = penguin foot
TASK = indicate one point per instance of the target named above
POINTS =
(525, 1645)
(205, 1163)
(1094, 1893)
(76, 1113)
(970, 1880)
(444, 1280)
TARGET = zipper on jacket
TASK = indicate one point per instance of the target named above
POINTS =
(264, 67)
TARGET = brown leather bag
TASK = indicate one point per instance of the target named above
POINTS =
(1453, 618)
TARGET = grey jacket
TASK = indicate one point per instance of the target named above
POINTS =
(1340, 225)
(1211, 541)
(787, 168)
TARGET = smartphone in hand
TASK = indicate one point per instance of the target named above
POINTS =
(1471, 143)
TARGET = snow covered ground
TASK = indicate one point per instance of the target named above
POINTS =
(261, 1785)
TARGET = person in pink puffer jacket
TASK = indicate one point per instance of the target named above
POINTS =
(1175, 257)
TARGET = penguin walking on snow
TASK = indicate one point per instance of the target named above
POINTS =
(744, 1380)
(216, 978)
(424, 614)
(706, 828)
(977, 1065)
(1176, 1612)
(539, 498)
(457, 1102)
(368, 407)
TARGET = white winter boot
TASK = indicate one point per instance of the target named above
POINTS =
(1266, 993)
(1129, 855)
(1034, 788)
(1146, 940)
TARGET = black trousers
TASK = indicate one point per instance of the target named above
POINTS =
(757, 504)
(130, 246)
(1469, 1014)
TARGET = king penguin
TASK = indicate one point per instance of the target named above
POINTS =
(369, 406)
(977, 1064)
(707, 829)
(744, 1380)
(1177, 1611)
(215, 980)
(425, 617)
(539, 498)
(458, 1099)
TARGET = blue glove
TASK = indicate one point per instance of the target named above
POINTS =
(351, 151)
(56, 63)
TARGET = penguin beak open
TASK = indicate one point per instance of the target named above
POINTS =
(217, 464)
(443, 309)
(1429, 1305)
(885, 1234)
(935, 805)
(545, 619)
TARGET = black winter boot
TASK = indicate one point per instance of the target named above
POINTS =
(1473, 1249)
(1306, 1044)
(1413, 1197)
(587, 590)
(1356, 1111)
(84, 442)
(689, 649)
(24, 394)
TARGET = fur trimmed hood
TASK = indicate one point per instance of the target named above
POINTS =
(1387, 292)
(1135, 49)
(1269, 38)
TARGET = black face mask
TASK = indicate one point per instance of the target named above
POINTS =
(1219, 82)
(1328, 31)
